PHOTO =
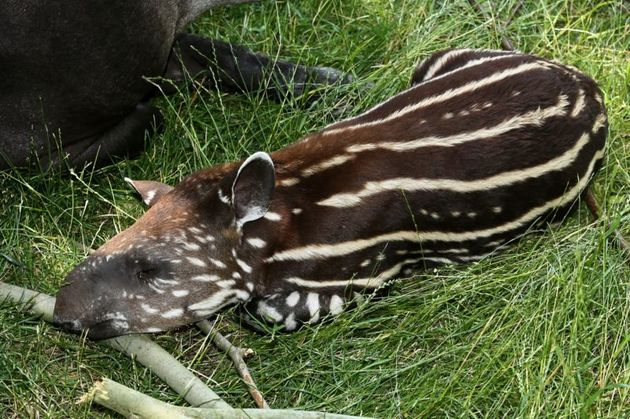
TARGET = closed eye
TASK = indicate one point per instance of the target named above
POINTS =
(146, 274)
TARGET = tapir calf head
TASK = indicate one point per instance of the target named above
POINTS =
(178, 263)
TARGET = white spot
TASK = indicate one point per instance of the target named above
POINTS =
(195, 230)
(297, 211)
(272, 216)
(180, 293)
(435, 215)
(471, 214)
(336, 305)
(196, 261)
(205, 278)
(464, 113)
(228, 283)
(250, 286)
(191, 246)
(290, 323)
(312, 303)
(487, 105)
(148, 309)
(156, 288)
(456, 213)
(266, 310)
(174, 313)
(218, 263)
(244, 266)
(242, 295)
(497, 210)
(166, 281)
(256, 242)
(448, 115)
(424, 212)
(365, 263)
(293, 299)
(289, 181)
(236, 275)
(380, 257)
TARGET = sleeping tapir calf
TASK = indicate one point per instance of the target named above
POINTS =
(72, 74)
(482, 146)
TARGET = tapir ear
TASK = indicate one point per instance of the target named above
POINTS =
(150, 191)
(253, 188)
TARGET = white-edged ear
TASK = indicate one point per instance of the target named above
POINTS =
(150, 191)
(253, 188)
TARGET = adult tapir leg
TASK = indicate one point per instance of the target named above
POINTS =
(125, 139)
(236, 68)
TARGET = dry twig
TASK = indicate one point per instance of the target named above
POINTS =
(131, 403)
(237, 355)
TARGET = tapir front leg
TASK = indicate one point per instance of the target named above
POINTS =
(235, 68)
(292, 309)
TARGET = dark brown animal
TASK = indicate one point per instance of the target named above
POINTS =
(72, 75)
(484, 145)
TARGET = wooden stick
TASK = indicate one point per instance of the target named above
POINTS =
(236, 354)
(131, 403)
(139, 347)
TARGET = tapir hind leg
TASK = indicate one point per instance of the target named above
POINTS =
(125, 139)
(236, 68)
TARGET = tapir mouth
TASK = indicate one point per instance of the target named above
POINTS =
(104, 329)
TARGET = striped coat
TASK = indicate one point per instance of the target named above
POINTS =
(482, 146)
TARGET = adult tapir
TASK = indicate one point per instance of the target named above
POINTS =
(72, 74)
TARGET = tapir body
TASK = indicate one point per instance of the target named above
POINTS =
(73, 74)
(482, 146)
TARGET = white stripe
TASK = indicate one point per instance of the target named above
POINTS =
(244, 266)
(600, 121)
(374, 282)
(272, 216)
(442, 97)
(471, 63)
(440, 62)
(289, 181)
(322, 251)
(256, 242)
(579, 104)
(345, 200)
(327, 164)
(536, 117)
(174, 313)
(205, 278)
(210, 304)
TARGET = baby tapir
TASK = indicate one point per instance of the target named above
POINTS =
(482, 146)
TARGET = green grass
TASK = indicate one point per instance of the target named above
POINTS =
(541, 330)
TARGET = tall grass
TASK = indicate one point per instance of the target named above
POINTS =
(540, 330)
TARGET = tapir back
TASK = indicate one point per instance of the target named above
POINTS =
(481, 147)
